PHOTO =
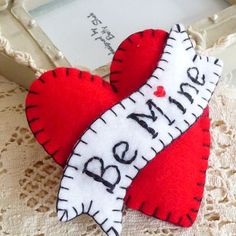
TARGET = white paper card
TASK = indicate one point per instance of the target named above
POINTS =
(89, 31)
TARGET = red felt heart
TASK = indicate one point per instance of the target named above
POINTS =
(62, 103)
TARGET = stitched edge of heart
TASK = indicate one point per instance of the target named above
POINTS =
(156, 40)
(40, 134)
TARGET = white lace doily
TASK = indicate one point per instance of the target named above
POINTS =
(29, 178)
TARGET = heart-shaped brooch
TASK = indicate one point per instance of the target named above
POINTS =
(142, 140)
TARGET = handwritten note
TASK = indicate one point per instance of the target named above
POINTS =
(101, 33)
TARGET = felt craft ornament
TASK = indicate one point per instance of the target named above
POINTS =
(171, 186)
(130, 134)
(177, 204)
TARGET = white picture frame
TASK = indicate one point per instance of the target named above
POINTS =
(29, 49)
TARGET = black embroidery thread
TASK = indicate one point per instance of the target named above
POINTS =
(145, 159)
(99, 178)
(113, 230)
(141, 93)
(131, 99)
(195, 78)
(186, 94)
(178, 104)
(195, 57)
(151, 104)
(140, 117)
(121, 158)
(154, 76)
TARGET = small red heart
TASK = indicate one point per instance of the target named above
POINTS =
(160, 92)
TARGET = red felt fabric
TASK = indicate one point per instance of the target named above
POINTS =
(62, 103)
(135, 60)
(60, 106)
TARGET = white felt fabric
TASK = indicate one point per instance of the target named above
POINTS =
(125, 138)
